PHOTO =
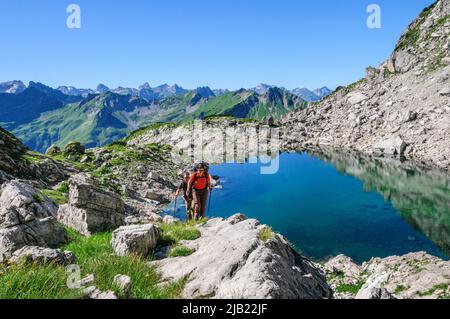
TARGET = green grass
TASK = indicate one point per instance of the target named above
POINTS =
(180, 251)
(38, 198)
(173, 234)
(95, 256)
(349, 288)
(338, 274)
(63, 187)
(352, 86)
(55, 195)
(399, 289)
(26, 281)
(265, 234)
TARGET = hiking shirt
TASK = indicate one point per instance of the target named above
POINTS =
(200, 181)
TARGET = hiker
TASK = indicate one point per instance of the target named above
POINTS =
(183, 187)
(198, 186)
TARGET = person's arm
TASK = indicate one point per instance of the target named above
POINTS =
(209, 183)
(189, 185)
(177, 193)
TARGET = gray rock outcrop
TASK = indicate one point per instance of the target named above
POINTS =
(231, 261)
(27, 219)
(93, 292)
(412, 276)
(91, 209)
(401, 108)
(135, 239)
(123, 283)
(43, 256)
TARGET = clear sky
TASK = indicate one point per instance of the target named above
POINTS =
(220, 43)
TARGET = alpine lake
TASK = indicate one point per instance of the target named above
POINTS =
(328, 203)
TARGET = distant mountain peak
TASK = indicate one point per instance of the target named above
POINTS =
(12, 87)
(101, 88)
(145, 86)
(323, 92)
(262, 88)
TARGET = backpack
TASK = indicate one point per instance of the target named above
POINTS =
(194, 170)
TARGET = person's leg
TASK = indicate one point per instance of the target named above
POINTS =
(196, 203)
(188, 210)
(204, 200)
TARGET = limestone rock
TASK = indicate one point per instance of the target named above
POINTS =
(142, 220)
(356, 98)
(374, 293)
(135, 239)
(230, 261)
(43, 256)
(91, 209)
(170, 220)
(344, 265)
(367, 114)
(124, 284)
(27, 219)
(392, 146)
(412, 276)
(93, 292)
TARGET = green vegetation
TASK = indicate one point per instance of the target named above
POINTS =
(33, 157)
(180, 251)
(143, 130)
(349, 288)
(38, 198)
(24, 281)
(411, 37)
(387, 73)
(354, 85)
(265, 234)
(338, 274)
(95, 256)
(443, 287)
(399, 289)
(173, 234)
(58, 197)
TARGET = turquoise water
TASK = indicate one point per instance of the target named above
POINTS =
(319, 205)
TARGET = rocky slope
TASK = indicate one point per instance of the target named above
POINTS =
(233, 259)
(401, 108)
(413, 276)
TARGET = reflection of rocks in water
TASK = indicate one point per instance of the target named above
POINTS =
(422, 196)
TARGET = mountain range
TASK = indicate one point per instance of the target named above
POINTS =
(42, 116)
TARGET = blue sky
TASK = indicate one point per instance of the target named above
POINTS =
(220, 43)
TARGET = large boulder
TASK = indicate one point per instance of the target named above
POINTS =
(232, 259)
(27, 218)
(135, 239)
(392, 146)
(74, 148)
(91, 209)
(43, 256)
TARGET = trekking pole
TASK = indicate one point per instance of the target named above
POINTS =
(175, 207)
(209, 202)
